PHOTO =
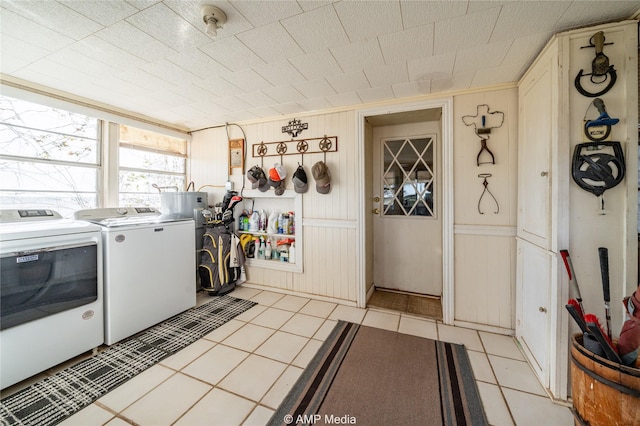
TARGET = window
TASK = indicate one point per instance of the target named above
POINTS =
(408, 179)
(49, 158)
(149, 163)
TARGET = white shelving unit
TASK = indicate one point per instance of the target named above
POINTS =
(290, 201)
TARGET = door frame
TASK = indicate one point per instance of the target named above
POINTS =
(446, 105)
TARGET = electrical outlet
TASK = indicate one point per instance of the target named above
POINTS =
(228, 186)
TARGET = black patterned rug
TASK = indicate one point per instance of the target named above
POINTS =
(57, 397)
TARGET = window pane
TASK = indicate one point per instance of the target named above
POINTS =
(131, 181)
(32, 176)
(27, 114)
(64, 203)
(138, 159)
(25, 142)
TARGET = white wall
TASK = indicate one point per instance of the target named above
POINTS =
(484, 244)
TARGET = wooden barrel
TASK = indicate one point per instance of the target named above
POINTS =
(604, 392)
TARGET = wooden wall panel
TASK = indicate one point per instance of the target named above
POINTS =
(485, 279)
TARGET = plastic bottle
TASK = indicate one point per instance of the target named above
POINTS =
(280, 223)
(267, 252)
(292, 253)
(261, 250)
(263, 221)
(284, 254)
(285, 223)
(253, 222)
(241, 220)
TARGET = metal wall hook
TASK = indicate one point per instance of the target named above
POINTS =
(485, 183)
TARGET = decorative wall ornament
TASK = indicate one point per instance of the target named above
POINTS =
(296, 146)
(601, 71)
(485, 183)
(483, 128)
(295, 127)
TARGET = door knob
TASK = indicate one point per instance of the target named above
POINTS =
(543, 310)
(376, 211)
(544, 174)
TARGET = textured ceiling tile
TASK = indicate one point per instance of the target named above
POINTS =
(316, 30)
(256, 99)
(315, 104)
(55, 16)
(266, 12)
(170, 72)
(134, 41)
(142, 79)
(290, 108)
(102, 12)
(316, 65)
(61, 76)
(84, 64)
(142, 4)
(416, 13)
(348, 82)
(165, 25)
(100, 50)
(465, 31)
(308, 5)
(284, 94)
(315, 88)
(527, 18)
(386, 75)
(457, 82)
(198, 63)
(17, 54)
(586, 12)
(264, 112)
(498, 75)
(232, 53)
(247, 80)
(414, 88)
(270, 42)
(375, 94)
(28, 31)
(487, 56)
(279, 73)
(407, 45)
(523, 50)
(358, 55)
(367, 19)
(428, 68)
(344, 99)
(218, 86)
(231, 103)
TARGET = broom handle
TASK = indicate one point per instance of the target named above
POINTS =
(604, 271)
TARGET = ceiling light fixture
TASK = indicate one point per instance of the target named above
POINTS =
(214, 17)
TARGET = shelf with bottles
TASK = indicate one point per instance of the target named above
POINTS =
(273, 212)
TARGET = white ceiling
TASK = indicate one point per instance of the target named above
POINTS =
(277, 57)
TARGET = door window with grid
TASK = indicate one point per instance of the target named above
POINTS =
(408, 177)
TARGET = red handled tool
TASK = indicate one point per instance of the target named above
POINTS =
(596, 331)
(573, 280)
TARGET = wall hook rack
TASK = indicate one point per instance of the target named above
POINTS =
(295, 146)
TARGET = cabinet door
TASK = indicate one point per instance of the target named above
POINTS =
(534, 150)
(533, 306)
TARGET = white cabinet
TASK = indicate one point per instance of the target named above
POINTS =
(290, 201)
(553, 212)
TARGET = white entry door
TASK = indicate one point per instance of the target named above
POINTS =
(407, 210)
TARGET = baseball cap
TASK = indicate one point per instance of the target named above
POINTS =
(257, 177)
(322, 176)
(299, 180)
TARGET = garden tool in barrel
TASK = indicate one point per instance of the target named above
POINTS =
(601, 71)
(599, 129)
(629, 341)
(597, 167)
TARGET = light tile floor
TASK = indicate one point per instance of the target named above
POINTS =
(239, 373)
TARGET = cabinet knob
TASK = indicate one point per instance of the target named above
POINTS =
(542, 309)
(544, 174)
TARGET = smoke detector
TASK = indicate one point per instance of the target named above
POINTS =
(214, 18)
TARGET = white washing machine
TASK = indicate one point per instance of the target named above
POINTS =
(51, 299)
(148, 267)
